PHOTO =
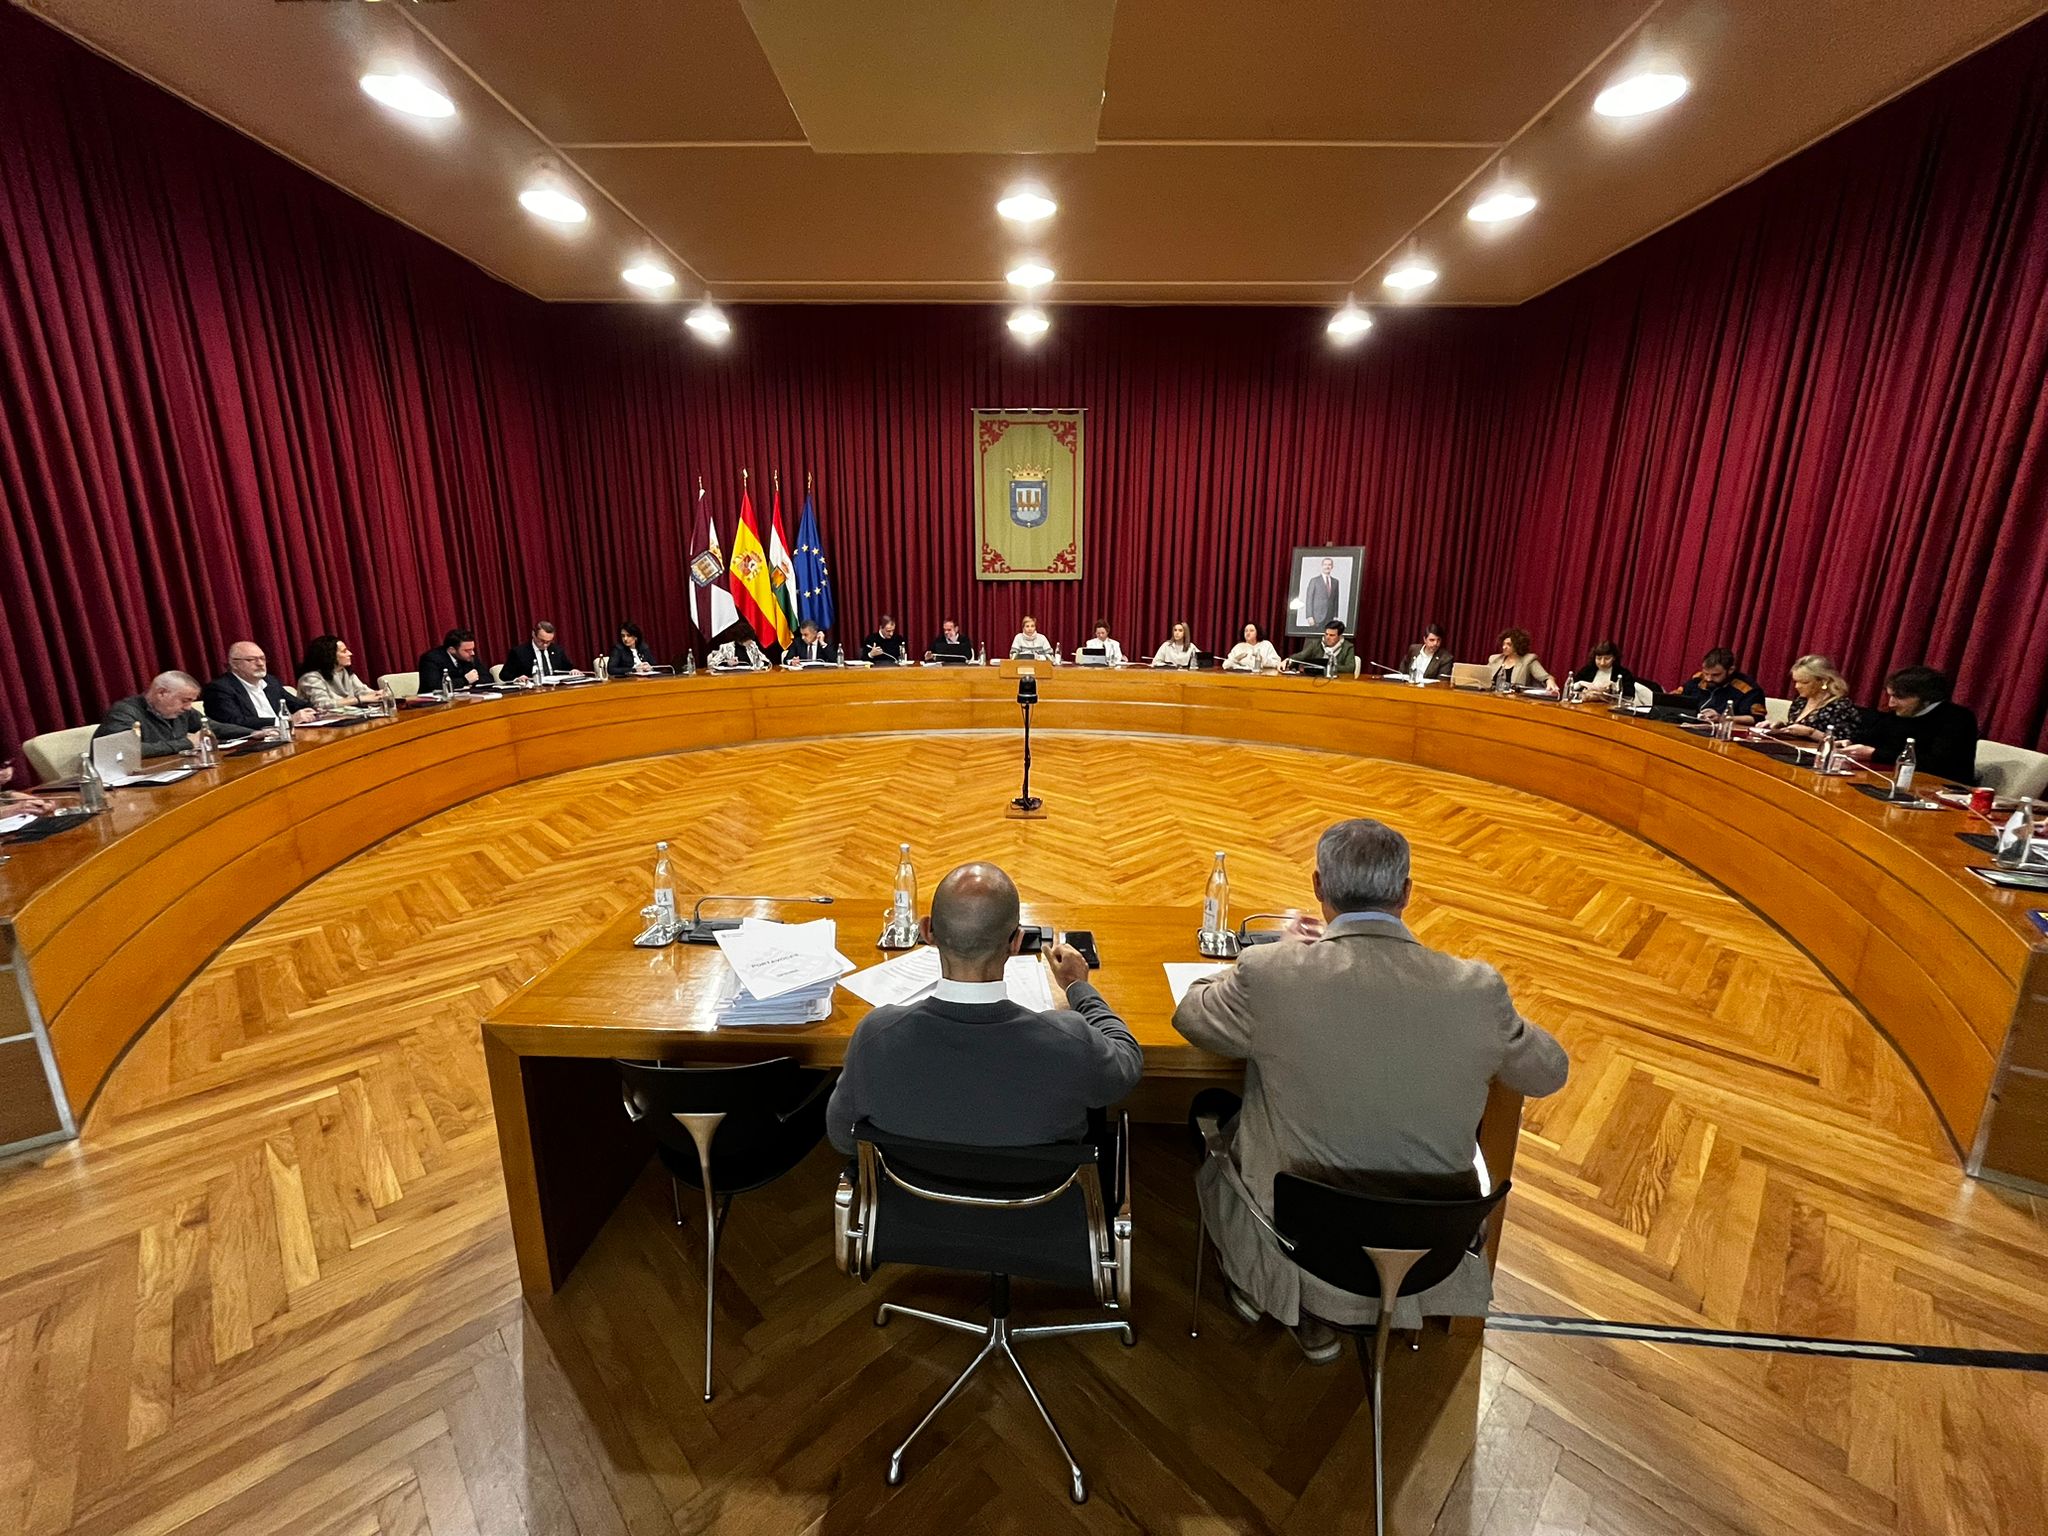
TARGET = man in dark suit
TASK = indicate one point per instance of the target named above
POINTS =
(247, 695)
(1324, 598)
(1718, 689)
(968, 1065)
(886, 648)
(453, 661)
(1917, 707)
(1332, 653)
(810, 646)
(950, 644)
(540, 658)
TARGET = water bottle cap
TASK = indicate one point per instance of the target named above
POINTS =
(903, 847)
(1219, 853)
(661, 847)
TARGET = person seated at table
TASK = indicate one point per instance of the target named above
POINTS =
(1919, 706)
(964, 1063)
(1252, 653)
(540, 658)
(1821, 705)
(950, 644)
(13, 802)
(1330, 652)
(1100, 648)
(1369, 1059)
(740, 652)
(453, 662)
(1719, 688)
(1429, 659)
(1030, 645)
(630, 657)
(886, 648)
(1516, 666)
(810, 645)
(325, 681)
(1178, 650)
(247, 695)
(163, 716)
(1604, 677)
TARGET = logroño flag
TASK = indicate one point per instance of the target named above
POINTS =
(781, 575)
(707, 571)
(753, 592)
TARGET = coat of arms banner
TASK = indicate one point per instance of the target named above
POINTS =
(1027, 495)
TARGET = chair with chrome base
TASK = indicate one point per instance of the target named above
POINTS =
(1038, 1213)
(725, 1130)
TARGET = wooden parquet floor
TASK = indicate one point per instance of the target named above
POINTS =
(272, 1289)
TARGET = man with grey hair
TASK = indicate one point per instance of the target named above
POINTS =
(248, 695)
(965, 1064)
(1368, 1059)
(163, 716)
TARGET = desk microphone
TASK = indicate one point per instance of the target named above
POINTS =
(1388, 673)
(702, 930)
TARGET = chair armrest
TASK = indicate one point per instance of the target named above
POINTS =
(824, 1085)
(633, 1111)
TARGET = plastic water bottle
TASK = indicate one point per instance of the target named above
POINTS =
(284, 725)
(1216, 899)
(903, 905)
(1902, 776)
(2016, 837)
(207, 753)
(664, 903)
(92, 789)
(690, 663)
(839, 654)
(1824, 759)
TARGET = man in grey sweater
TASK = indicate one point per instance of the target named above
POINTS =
(966, 1064)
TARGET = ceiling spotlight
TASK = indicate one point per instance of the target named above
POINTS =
(1642, 93)
(650, 277)
(709, 321)
(1029, 275)
(1409, 276)
(555, 206)
(1349, 323)
(1500, 205)
(1026, 205)
(408, 94)
(1029, 324)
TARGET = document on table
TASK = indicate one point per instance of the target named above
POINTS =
(1029, 983)
(903, 979)
(13, 823)
(772, 958)
(1180, 975)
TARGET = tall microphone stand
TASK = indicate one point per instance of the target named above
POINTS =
(1027, 804)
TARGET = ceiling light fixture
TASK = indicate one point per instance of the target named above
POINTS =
(709, 322)
(1500, 206)
(1412, 274)
(1029, 275)
(1349, 323)
(1026, 205)
(556, 206)
(649, 277)
(408, 94)
(1029, 324)
(1649, 91)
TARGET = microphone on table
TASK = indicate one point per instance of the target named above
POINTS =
(1390, 674)
(703, 930)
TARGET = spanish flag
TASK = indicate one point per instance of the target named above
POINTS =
(753, 589)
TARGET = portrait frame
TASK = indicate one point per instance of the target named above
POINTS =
(1348, 569)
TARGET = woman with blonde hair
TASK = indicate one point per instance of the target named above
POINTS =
(1820, 702)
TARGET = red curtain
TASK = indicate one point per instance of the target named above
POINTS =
(233, 401)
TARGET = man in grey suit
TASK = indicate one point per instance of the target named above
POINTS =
(1366, 1055)
(966, 1064)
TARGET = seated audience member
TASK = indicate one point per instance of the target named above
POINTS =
(1516, 665)
(630, 657)
(1330, 653)
(325, 681)
(885, 647)
(810, 645)
(1718, 689)
(1099, 647)
(13, 802)
(1252, 653)
(1179, 649)
(965, 1064)
(740, 653)
(1603, 675)
(540, 658)
(1369, 1057)
(454, 662)
(1429, 659)
(950, 644)
(1821, 705)
(247, 695)
(163, 716)
(1917, 707)
(1029, 644)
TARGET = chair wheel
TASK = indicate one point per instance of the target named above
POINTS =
(894, 1477)
(1130, 1337)
(881, 1317)
(1079, 1492)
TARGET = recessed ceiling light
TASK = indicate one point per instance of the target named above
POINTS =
(1642, 93)
(1029, 323)
(555, 206)
(650, 277)
(1499, 206)
(709, 321)
(1409, 276)
(1026, 205)
(408, 94)
(1349, 323)
(1029, 275)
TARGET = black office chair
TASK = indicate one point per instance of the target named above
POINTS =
(1376, 1246)
(1035, 1212)
(725, 1130)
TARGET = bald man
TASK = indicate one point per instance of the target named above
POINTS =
(247, 695)
(966, 1064)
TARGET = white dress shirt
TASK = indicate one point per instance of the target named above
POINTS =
(1173, 655)
(951, 991)
(265, 710)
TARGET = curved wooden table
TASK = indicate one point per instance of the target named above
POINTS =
(105, 924)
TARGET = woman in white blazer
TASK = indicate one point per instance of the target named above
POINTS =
(1253, 653)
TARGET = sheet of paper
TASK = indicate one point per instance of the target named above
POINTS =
(773, 958)
(14, 823)
(1029, 983)
(167, 776)
(902, 979)
(1182, 974)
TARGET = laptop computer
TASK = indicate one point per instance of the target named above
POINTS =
(119, 760)
(1471, 674)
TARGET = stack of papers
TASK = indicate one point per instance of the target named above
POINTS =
(782, 973)
(910, 978)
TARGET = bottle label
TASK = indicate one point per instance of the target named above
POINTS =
(902, 905)
(1212, 916)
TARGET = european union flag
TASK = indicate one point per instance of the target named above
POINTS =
(813, 575)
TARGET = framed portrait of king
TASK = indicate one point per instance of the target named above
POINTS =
(1324, 586)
